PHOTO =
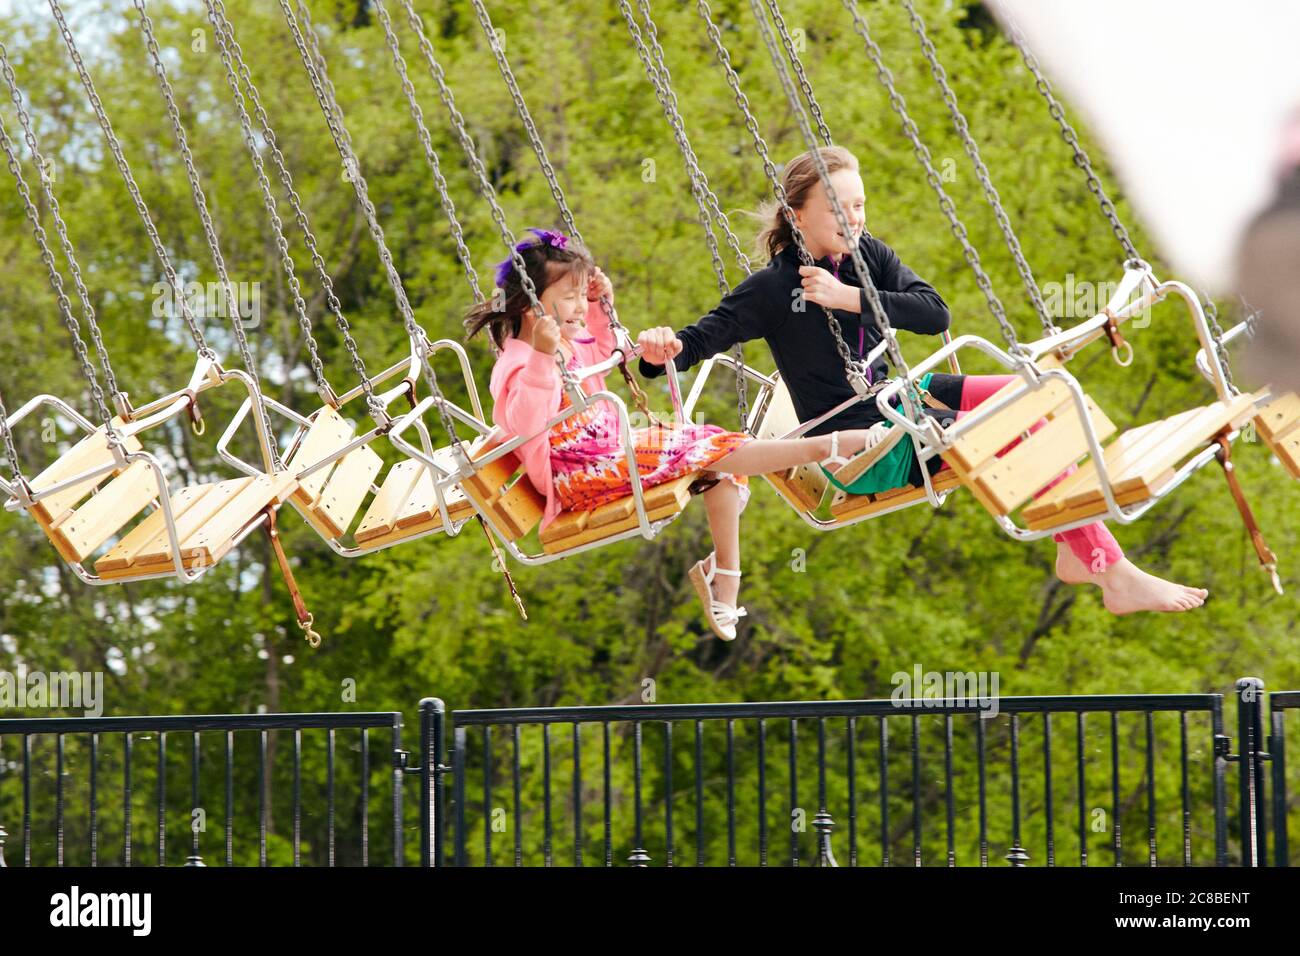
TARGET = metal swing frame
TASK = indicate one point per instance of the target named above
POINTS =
(207, 374)
(580, 401)
(932, 441)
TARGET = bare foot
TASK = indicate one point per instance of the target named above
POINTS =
(1126, 588)
(725, 588)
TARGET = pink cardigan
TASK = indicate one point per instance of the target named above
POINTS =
(526, 393)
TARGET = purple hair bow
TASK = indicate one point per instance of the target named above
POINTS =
(544, 236)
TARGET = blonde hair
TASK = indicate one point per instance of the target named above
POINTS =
(798, 179)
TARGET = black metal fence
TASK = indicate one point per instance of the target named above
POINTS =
(957, 780)
(99, 791)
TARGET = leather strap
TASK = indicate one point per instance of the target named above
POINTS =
(1267, 559)
(299, 605)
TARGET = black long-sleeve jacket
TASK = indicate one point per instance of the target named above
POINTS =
(769, 304)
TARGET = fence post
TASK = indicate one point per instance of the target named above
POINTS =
(1250, 727)
(1277, 749)
(823, 824)
(432, 717)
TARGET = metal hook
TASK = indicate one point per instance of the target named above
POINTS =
(312, 637)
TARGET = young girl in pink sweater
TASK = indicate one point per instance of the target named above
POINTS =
(580, 463)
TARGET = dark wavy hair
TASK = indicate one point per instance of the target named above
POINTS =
(799, 177)
(502, 315)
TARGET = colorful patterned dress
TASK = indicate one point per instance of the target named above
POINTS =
(590, 469)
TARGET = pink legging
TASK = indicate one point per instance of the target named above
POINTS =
(1093, 544)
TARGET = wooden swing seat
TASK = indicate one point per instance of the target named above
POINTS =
(516, 507)
(1279, 426)
(330, 497)
(209, 519)
(406, 505)
(847, 507)
(1140, 463)
(803, 486)
(76, 532)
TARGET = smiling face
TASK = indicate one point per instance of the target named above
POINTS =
(565, 300)
(817, 220)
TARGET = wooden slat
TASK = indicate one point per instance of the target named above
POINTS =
(1279, 417)
(209, 543)
(1083, 486)
(1007, 482)
(566, 525)
(1095, 507)
(92, 451)
(329, 432)
(381, 517)
(855, 506)
(990, 436)
(1192, 436)
(1288, 452)
(422, 505)
(106, 512)
(671, 497)
(122, 555)
(805, 485)
(347, 488)
(216, 498)
(800, 487)
(612, 511)
(520, 508)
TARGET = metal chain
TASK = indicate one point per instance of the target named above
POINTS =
(480, 174)
(705, 199)
(231, 44)
(1081, 158)
(1216, 332)
(539, 149)
(430, 154)
(56, 213)
(272, 209)
(981, 170)
(115, 147)
(715, 205)
(205, 216)
(853, 369)
(317, 73)
(47, 256)
(788, 42)
(7, 434)
(923, 156)
(805, 127)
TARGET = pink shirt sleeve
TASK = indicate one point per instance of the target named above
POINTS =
(528, 396)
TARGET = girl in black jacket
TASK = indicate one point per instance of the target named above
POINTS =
(782, 305)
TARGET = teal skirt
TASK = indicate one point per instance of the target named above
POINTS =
(893, 468)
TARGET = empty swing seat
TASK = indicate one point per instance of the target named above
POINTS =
(1140, 463)
(210, 520)
(1279, 426)
(407, 506)
(76, 532)
(330, 497)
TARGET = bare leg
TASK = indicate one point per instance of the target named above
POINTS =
(764, 455)
(722, 504)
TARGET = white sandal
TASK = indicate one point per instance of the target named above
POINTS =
(722, 617)
(875, 435)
